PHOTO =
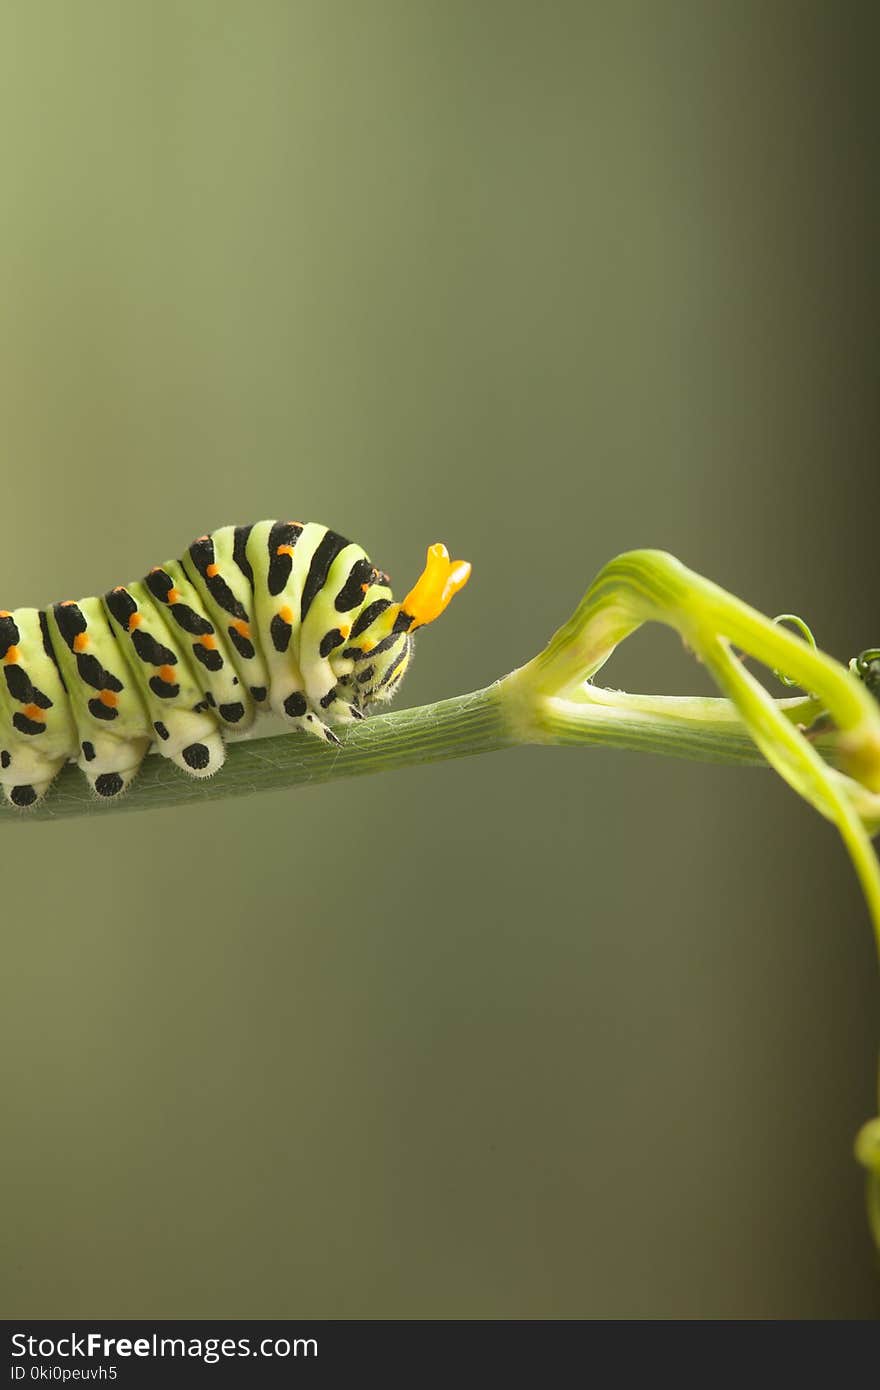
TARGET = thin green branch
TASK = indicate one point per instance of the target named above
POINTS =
(450, 729)
(651, 586)
(801, 764)
(483, 722)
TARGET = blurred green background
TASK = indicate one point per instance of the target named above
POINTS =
(546, 282)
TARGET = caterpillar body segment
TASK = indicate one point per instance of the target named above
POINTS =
(220, 569)
(38, 730)
(167, 677)
(277, 615)
(105, 707)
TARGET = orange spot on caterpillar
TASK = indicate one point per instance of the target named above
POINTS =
(166, 674)
(11, 656)
(173, 596)
(80, 642)
(108, 698)
(284, 550)
(134, 621)
(208, 642)
(69, 602)
(345, 631)
(5, 613)
(367, 644)
(212, 570)
(34, 712)
(242, 628)
(285, 614)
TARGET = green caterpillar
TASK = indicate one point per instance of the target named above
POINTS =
(278, 615)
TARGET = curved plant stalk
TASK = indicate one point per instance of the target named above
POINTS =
(839, 775)
(552, 700)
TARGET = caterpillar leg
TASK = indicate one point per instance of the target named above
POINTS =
(109, 764)
(295, 710)
(313, 725)
(339, 708)
(190, 740)
(25, 794)
(25, 778)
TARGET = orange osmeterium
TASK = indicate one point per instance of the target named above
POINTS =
(440, 582)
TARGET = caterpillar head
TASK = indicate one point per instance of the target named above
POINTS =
(385, 647)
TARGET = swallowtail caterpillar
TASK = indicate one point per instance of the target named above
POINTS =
(279, 616)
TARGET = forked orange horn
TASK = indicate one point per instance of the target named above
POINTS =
(440, 581)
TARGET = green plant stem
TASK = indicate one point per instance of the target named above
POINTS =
(705, 730)
(699, 728)
(651, 586)
(450, 729)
